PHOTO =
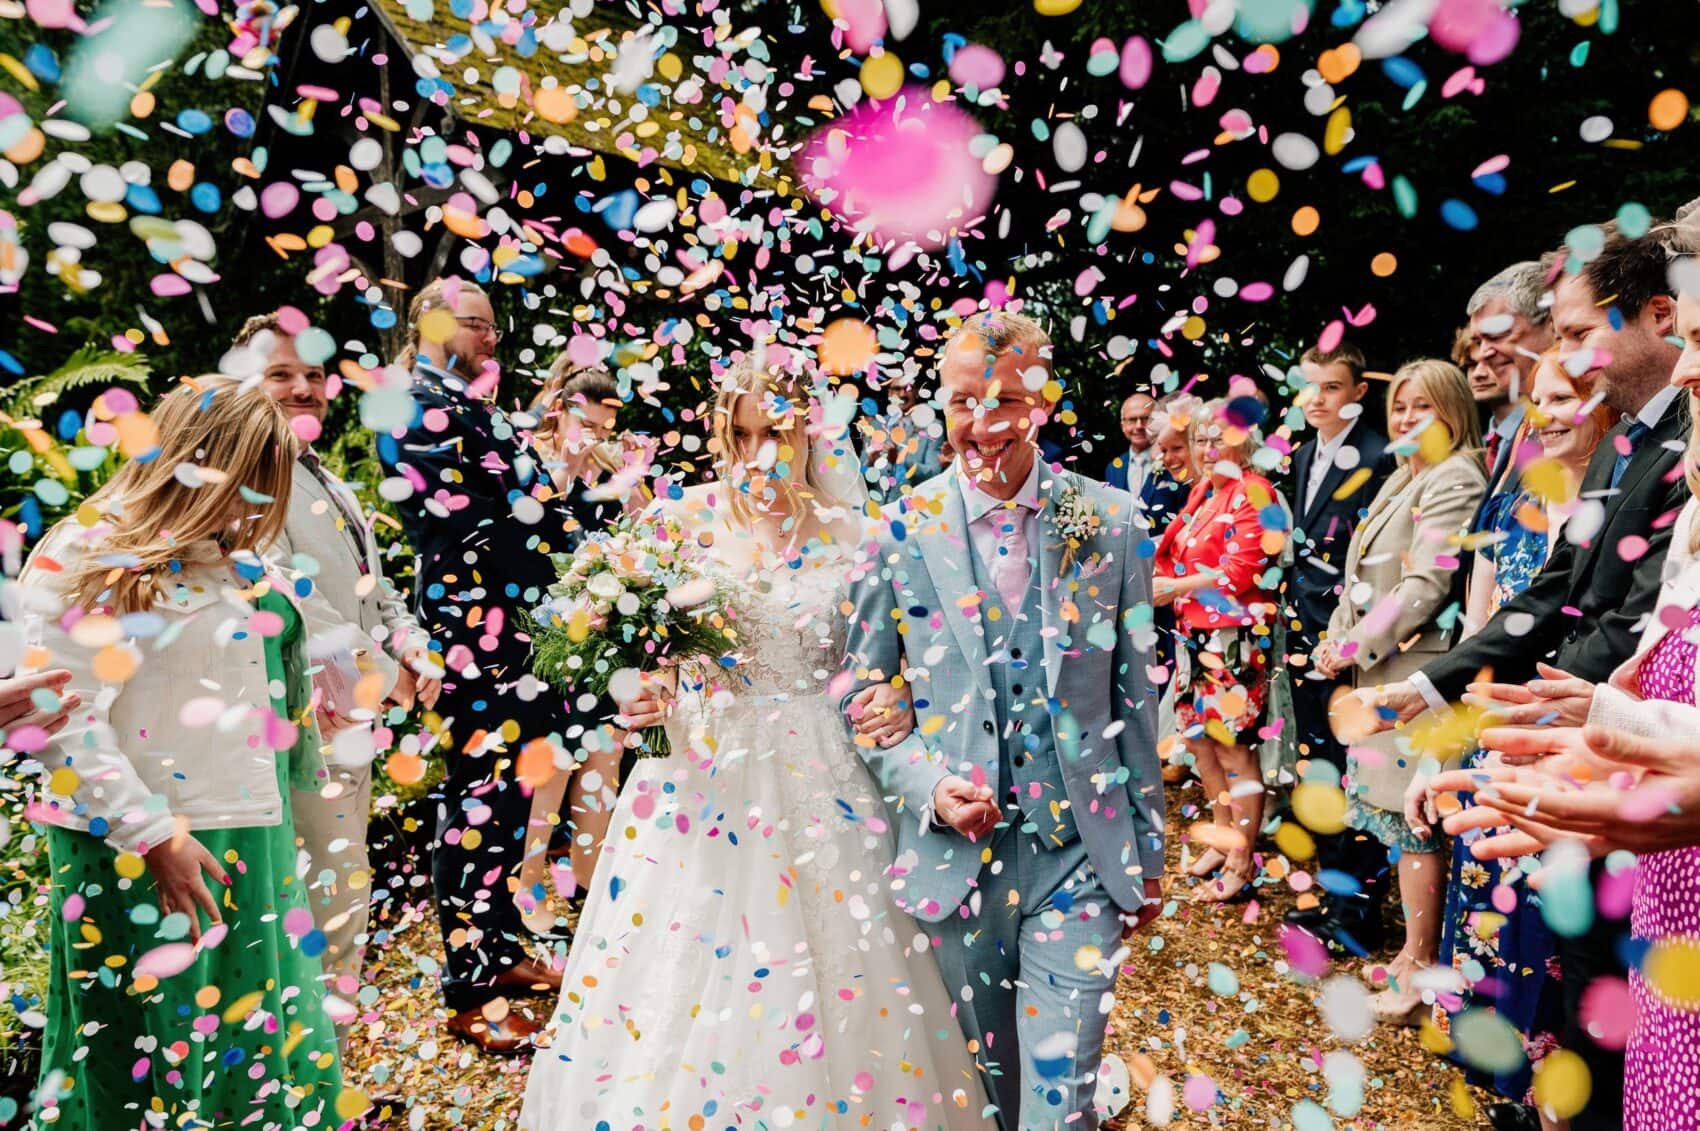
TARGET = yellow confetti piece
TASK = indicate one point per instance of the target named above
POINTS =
(1672, 971)
(1462, 1105)
(18, 71)
(1562, 1083)
(1263, 185)
(1547, 480)
(1087, 958)
(882, 75)
(1294, 841)
(241, 1007)
(438, 325)
(1320, 807)
(351, 1102)
(1337, 131)
(64, 781)
(1055, 7)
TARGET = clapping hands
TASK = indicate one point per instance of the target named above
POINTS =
(1605, 788)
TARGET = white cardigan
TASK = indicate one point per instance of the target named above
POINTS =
(182, 739)
(1618, 703)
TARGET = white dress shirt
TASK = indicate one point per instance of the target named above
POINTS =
(1138, 469)
(1327, 451)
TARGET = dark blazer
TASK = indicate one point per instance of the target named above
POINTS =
(1319, 558)
(1609, 597)
(1115, 474)
(1162, 499)
(475, 473)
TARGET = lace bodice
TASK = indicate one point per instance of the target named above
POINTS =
(789, 620)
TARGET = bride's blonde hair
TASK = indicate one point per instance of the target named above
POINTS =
(238, 434)
(789, 407)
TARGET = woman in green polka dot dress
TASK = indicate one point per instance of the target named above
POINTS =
(185, 985)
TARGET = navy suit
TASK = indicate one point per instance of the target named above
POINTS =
(1323, 534)
(1116, 473)
(482, 541)
(1161, 500)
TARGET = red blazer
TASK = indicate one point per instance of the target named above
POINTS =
(1219, 529)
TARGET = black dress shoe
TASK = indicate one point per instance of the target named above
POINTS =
(1513, 1117)
(1310, 918)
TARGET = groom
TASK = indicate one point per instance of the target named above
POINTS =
(1028, 799)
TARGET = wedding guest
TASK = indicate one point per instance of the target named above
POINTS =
(357, 624)
(1335, 475)
(1512, 958)
(1171, 480)
(1131, 468)
(1398, 580)
(1510, 327)
(171, 781)
(1653, 694)
(482, 526)
(1612, 314)
(1211, 567)
(577, 412)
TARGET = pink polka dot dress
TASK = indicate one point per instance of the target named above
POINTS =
(1662, 1073)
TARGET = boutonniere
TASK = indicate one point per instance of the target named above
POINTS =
(1075, 518)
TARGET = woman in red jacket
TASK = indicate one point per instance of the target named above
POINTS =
(1211, 566)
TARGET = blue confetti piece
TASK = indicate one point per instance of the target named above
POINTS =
(1458, 215)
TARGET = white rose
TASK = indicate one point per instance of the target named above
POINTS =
(605, 587)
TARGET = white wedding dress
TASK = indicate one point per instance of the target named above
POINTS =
(739, 962)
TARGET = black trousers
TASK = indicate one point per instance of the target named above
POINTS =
(1582, 961)
(482, 814)
(1357, 854)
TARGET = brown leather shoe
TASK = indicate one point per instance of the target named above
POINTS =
(528, 977)
(513, 1033)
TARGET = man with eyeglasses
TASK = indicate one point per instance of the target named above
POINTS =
(483, 517)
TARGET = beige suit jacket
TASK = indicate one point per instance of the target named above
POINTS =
(352, 612)
(1399, 574)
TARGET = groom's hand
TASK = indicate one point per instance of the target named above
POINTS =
(1153, 904)
(965, 807)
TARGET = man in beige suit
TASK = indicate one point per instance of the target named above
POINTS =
(367, 649)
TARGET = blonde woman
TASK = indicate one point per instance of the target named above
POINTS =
(1398, 581)
(182, 980)
(740, 952)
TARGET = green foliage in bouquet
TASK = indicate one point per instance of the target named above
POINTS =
(638, 599)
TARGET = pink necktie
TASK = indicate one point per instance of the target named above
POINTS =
(1011, 570)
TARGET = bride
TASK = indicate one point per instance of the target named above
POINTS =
(738, 961)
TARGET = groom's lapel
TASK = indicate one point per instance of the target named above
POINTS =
(946, 550)
(1051, 623)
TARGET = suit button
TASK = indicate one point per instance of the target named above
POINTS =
(987, 726)
(1019, 760)
(1015, 653)
(1015, 689)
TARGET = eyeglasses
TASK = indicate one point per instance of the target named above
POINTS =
(481, 325)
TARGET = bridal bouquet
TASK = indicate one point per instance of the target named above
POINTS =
(635, 599)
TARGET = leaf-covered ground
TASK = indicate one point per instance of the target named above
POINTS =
(1262, 1044)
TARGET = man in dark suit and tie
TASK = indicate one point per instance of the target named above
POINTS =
(1509, 328)
(1334, 476)
(1584, 612)
(482, 519)
(1131, 468)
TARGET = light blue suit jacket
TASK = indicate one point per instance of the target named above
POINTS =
(916, 611)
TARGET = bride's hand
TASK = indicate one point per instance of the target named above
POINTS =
(652, 703)
(882, 714)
